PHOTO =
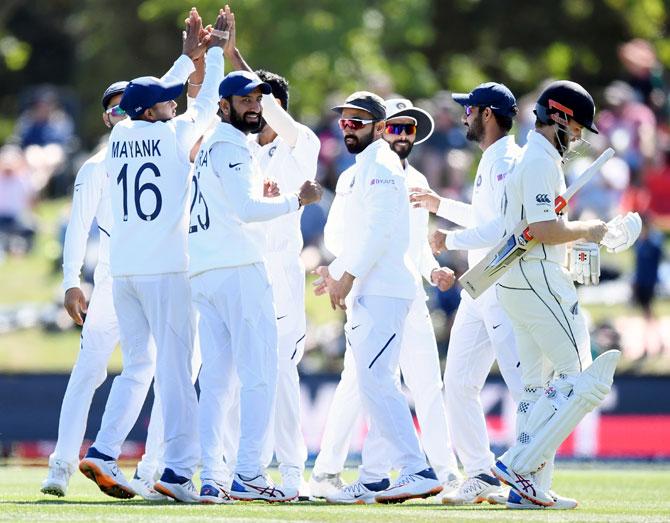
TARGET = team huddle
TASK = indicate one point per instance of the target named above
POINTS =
(199, 276)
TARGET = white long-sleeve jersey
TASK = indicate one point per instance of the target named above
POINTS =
(291, 158)
(483, 218)
(368, 226)
(420, 253)
(148, 164)
(90, 199)
(227, 202)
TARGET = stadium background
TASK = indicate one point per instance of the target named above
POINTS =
(56, 57)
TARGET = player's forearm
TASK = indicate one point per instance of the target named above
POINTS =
(486, 235)
(237, 62)
(180, 70)
(457, 212)
(556, 232)
(281, 122)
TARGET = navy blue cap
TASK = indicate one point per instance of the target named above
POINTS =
(240, 83)
(145, 92)
(367, 101)
(490, 94)
(113, 90)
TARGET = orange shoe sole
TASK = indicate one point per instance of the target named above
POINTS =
(106, 484)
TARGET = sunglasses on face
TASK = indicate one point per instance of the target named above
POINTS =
(115, 110)
(354, 123)
(398, 128)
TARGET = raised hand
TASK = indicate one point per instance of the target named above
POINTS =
(220, 33)
(192, 36)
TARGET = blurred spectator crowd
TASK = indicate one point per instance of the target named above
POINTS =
(41, 158)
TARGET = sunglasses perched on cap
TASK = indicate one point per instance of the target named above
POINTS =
(115, 110)
(398, 128)
(354, 123)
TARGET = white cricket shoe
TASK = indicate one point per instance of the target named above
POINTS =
(472, 491)
(516, 502)
(259, 488)
(324, 485)
(292, 478)
(500, 496)
(177, 487)
(58, 478)
(105, 472)
(358, 493)
(525, 486)
(145, 488)
(213, 492)
(422, 484)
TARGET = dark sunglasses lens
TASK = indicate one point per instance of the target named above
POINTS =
(398, 128)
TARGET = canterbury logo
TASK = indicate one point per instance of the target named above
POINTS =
(542, 198)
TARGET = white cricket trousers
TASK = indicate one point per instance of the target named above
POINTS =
(287, 276)
(374, 329)
(158, 307)
(420, 367)
(481, 333)
(541, 301)
(238, 334)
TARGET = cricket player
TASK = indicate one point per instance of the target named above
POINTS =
(148, 164)
(231, 289)
(100, 333)
(287, 153)
(481, 331)
(371, 279)
(540, 299)
(406, 126)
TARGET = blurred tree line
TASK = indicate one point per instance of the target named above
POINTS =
(323, 46)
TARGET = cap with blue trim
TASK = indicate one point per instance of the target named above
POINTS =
(241, 83)
(145, 92)
(490, 94)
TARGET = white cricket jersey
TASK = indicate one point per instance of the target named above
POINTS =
(90, 199)
(371, 236)
(531, 190)
(290, 167)
(495, 166)
(420, 253)
(227, 201)
(148, 166)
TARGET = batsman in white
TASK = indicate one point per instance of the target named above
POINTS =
(231, 289)
(481, 331)
(371, 279)
(540, 299)
(148, 162)
(287, 154)
(406, 126)
(100, 333)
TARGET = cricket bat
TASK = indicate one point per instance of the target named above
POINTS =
(480, 277)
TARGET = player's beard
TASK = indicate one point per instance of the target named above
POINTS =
(402, 148)
(475, 131)
(242, 124)
(358, 145)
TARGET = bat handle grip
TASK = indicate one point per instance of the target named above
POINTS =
(560, 203)
(527, 235)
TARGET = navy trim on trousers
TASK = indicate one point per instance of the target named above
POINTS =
(296, 346)
(380, 352)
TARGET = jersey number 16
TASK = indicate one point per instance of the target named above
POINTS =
(139, 189)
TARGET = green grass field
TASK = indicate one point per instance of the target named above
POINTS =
(608, 494)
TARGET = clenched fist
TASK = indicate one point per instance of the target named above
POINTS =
(310, 192)
(443, 277)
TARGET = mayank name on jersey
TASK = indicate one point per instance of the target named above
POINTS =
(135, 149)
